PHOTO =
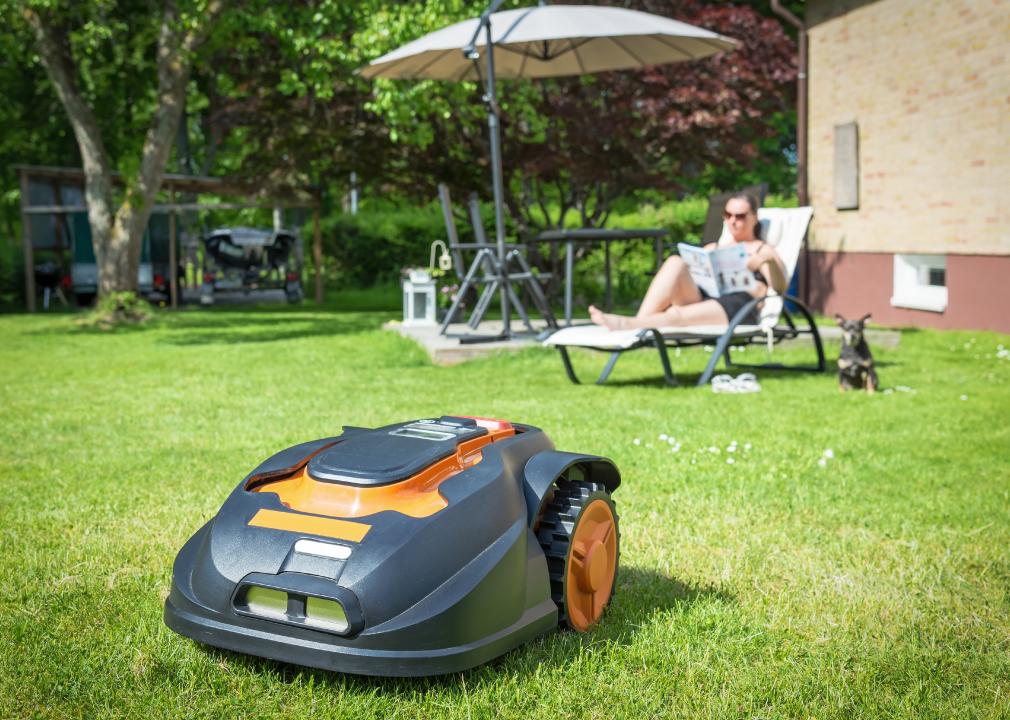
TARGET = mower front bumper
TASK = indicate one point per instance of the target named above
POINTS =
(193, 621)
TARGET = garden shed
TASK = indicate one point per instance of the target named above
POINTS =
(54, 220)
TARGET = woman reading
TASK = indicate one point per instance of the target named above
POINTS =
(673, 299)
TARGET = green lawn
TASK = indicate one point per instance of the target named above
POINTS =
(876, 586)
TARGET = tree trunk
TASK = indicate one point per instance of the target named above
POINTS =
(54, 50)
(118, 239)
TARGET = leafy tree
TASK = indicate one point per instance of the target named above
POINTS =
(85, 48)
(260, 91)
(281, 100)
(579, 144)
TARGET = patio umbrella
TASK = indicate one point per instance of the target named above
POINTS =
(542, 41)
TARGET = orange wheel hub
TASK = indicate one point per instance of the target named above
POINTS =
(592, 565)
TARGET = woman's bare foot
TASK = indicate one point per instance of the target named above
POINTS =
(607, 320)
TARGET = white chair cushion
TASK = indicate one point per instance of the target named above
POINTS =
(594, 336)
(597, 336)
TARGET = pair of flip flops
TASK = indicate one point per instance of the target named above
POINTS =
(742, 383)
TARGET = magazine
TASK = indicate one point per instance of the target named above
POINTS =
(719, 271)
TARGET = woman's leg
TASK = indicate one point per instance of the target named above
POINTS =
(671, 285)
(706, 312)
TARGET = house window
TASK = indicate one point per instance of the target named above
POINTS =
(920, 282)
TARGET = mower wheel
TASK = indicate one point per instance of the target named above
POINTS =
(579, 535)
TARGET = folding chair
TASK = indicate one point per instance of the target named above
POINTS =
(485, 269)
(783, 228)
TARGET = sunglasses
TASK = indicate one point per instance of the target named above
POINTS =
(726, 215)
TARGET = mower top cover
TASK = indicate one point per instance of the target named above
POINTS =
(383, 458)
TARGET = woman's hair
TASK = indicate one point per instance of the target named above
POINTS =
(753, 203)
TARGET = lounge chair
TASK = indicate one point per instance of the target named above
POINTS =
(784, 228)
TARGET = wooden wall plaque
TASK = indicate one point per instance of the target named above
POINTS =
(847, 166)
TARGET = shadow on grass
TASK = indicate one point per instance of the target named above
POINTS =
(230, 329)
(687, 380)
(640, 595)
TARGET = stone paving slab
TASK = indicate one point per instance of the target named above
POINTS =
(447, 349)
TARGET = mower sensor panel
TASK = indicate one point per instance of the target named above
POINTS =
(392, 453)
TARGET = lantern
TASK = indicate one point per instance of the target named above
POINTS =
(419, 299)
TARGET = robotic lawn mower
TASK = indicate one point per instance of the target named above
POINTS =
(419, 548)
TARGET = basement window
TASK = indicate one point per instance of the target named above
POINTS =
(920, 282)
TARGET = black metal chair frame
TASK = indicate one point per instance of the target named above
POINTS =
(485, 269)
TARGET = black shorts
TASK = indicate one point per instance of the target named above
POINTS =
(731, 304)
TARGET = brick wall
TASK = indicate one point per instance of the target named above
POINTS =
(854, 283)
(928, 82)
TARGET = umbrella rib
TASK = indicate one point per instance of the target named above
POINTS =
(638, 60)
(476, 68)
(514, 25)
(515, 50)
(546, 56)
(674, 46)
(522, 65)
(573, 46)
(578, 58)
(388, 66)
(466, 71)
(718, 48)
(432, 62)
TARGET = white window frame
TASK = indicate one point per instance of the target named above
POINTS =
(911, 283)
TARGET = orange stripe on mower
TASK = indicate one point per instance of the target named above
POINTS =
(310, 524)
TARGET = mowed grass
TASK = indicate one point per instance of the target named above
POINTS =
(877, 586)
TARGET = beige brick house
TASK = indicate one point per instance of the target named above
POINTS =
(909, 160)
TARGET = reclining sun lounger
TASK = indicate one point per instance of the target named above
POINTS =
(784, 228)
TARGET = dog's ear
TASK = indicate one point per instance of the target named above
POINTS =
(865, 317)
(839, 318)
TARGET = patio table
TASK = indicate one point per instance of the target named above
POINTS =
(598, 235)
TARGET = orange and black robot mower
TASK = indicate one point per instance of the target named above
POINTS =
(420, 548)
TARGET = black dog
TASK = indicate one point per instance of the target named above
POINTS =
(855, 363)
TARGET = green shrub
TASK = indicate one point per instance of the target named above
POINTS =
(118, 309)
(12, 275)
(373, 246)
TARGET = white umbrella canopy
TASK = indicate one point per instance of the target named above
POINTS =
(537, 42)
(552, 41)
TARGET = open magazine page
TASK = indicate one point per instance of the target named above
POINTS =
(699, 264)
(730, 266)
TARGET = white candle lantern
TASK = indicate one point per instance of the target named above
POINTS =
(419, 299)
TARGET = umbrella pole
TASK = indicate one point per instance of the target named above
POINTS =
(497, 182)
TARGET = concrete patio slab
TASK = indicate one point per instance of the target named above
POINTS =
(447, 349)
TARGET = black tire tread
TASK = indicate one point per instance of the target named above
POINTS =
(557, 525)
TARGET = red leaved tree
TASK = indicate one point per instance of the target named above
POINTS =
(578, 144)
